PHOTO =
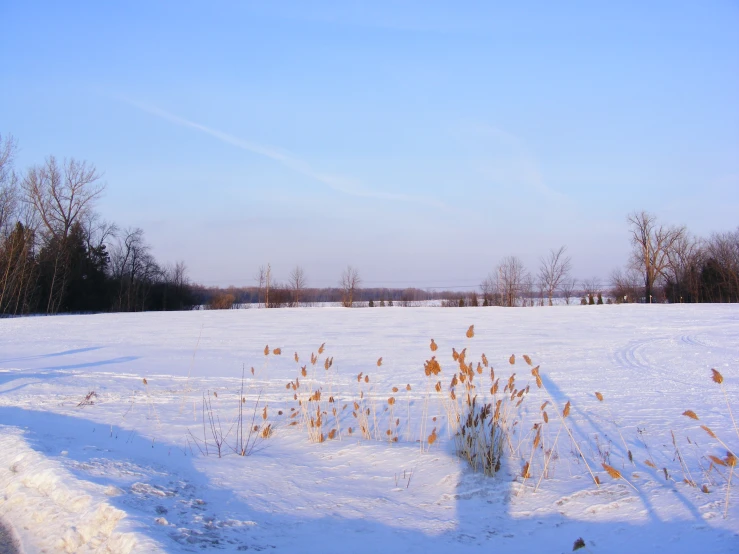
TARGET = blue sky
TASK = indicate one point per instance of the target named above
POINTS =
(418, 141)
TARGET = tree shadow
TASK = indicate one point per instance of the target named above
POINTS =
(161, 480)
(53, 354)
(578, 430)
(86, 365)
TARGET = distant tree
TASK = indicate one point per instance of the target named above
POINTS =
(625, 286)
(600, 298)
(720, 273)
(382, 303)
(651, 243)
(554, 269)
(260, 277)
(473, 300)
(135, 271)
(296, 282)
(590, 287)
(685, 259)
(512, 280)
(349, 284)
(371, 304)
(568, 289)
(222, 301)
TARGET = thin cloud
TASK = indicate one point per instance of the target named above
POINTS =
(507, 160)
(339, 183)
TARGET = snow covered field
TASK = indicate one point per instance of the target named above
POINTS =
(129, 470)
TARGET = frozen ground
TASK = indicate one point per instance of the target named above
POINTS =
(127, 470)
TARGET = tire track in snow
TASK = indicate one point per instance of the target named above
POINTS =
(632, 356)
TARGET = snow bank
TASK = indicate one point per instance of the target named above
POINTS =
(50, 510)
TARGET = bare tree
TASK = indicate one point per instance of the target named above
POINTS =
(722, 253)
(135, 269)
(488, 287)
(260, 277)
(568, 289)
(651, 244)
(512, 280)
(9, 193)
(61, 196)
(553, 270)
(685, 259)
(625, 286)
(296, 281)
(349, 284)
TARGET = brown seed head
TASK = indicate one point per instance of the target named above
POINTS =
(717, 377)
(379, 361)
(707, 430)
(566, 411)
(512, 359)
(690, 413)
(321, 348)
(612, 471)
(471, 332)
(277, 351)
(433, 346)
(599, 396)
(266, 350)
(716, 460)
(527, 359)
(432, 437)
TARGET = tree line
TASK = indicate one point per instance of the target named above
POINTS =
(670, 264)
(666, 264)
(57, 255)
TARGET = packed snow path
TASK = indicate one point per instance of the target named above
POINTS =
(125, 469)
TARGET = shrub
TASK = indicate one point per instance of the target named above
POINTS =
(222, 301)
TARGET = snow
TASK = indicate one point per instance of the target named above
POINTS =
(126, 470)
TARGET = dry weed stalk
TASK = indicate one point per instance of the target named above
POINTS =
(600, 398)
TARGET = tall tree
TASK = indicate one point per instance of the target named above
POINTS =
(513, 279)
(553, 270)
(651, 242)
(296, 282)
(61, 195)
(349, 284)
